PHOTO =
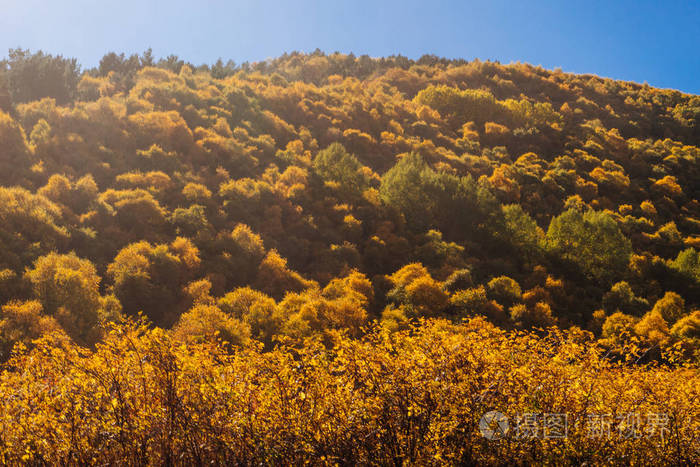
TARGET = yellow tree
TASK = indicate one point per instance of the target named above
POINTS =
(69, 289)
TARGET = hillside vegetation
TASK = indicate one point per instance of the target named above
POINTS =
(329, 257)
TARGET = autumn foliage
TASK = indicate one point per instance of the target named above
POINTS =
(342, 259)
(414, 396)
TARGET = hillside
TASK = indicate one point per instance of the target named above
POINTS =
(329, 202)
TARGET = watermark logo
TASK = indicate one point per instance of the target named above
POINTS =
(493, 425)
(534, 425)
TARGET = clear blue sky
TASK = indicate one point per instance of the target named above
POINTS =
(657, 42)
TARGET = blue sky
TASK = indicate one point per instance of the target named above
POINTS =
(642, 41)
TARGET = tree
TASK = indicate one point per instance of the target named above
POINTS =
(688, 263)
(459, 280)
(395, 319)
(523, 234)
(671, 307)
(618, 327)
(335, 165)
(402, 188)
(15, 154)
(204, 323)
(341, 305)
(68, 287)
(151, 278)
(417, 291)
(592, 241)
(32, 76)
(455, 205)
(196, 193)
(30, 225)
(688, 327)
(257, 310)
(23, 322)
(468, 105)
(653, 328)
(137, 212)
(172, 63)
(355, 285)
(474, 301)
(436, 252)
(219, 70)
(621, 297)
(191, 221)
(78, 196)
(531, 114)
(276, 279)
(122, 69)
(426, 296)
(537, 316)
(504, 290)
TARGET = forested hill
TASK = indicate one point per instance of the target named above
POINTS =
(312, 193)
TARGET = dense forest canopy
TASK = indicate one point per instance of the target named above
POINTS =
(305, 197)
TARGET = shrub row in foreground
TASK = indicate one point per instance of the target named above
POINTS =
(410, 397)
